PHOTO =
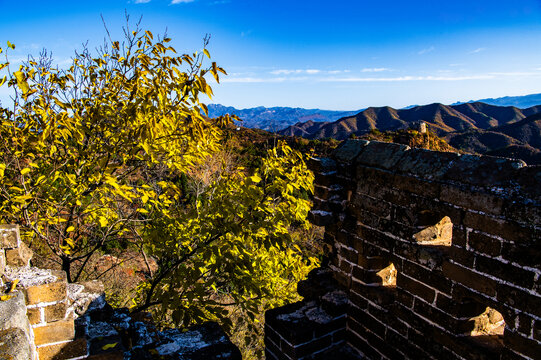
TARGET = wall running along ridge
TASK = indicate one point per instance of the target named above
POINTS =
(432, 256)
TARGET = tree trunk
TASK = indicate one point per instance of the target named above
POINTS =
(66, 266)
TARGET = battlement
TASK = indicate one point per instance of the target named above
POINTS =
(437, 256)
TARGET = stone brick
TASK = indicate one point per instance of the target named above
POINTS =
(47, 293)
(55, 312)
(484, 244)
(505, 271)
(506, 229)
(486, 171)
(426, 163)
(321, 164)
(55, 332)
(382, 155)
(472, 199)
(417, 186)
(523, 345)
(518, 299)
(415, 287)
(349, 150)
(68, 350)
(34, 315)
(20, 256)
(469, 278)
(9, 236)
(432, 278)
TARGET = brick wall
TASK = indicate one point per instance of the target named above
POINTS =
(439, 254)
(42, 317)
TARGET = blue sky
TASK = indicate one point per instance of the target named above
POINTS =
(341, 55)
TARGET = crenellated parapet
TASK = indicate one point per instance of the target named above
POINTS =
(438, 254)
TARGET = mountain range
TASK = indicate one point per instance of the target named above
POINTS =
(471, 127)
(276, 118)
(506, 127)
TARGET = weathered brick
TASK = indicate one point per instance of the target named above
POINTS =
(523, 345)
(505, 271)
(417, 186)
(55, 312)
(349, 150)
(484, 244)
(469, 278)
(434, 279)
(68, 350)
(525, 324)
(461, 256)
(20, 256)
(415, 287)
(9, 236)
(537, 330)
(34, 315)
(472, 200)
(518, 299)
(55, 291)
(54, 332)
(506, 229)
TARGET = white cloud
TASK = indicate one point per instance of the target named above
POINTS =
(263, 80)
(142, 1)
(427, 50)
(173, 2)
(410, 78)
(375, 69)
(297, 71)
(478, 50)
(356, 79)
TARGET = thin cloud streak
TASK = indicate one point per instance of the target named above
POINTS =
(173, 2)
(410, 78)
(375, 69)
(478, 50)
(426, 51)
(358, 79)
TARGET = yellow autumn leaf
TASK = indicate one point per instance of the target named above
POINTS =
(109, 346)
(70, 229)
(13, 285)
(103, 221)
(25, 171)
(21, 81)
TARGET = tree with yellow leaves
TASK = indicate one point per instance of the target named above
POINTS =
(93, 154)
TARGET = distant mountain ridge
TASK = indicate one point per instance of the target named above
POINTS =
(276, 118)
(524, 101)
(472, 127)
(442, 119)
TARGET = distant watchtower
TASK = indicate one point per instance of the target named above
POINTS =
(422, 127)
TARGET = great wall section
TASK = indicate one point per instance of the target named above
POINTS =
(431, 256)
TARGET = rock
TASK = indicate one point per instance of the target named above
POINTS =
(14, 345)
